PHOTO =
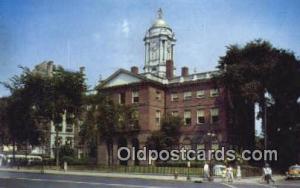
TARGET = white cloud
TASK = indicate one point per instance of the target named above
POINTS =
(125, 27)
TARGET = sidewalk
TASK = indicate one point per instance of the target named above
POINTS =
(131, 175)
(101, 174)
(258, 179)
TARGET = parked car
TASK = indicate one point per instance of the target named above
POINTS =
(293, 172)
(24, 159)
(219, 170)
(2, 159)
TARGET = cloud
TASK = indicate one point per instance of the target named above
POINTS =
(125, 27)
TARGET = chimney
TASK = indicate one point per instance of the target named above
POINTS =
(170, 69)
(135, 70)
(81, 70)
(184, 71)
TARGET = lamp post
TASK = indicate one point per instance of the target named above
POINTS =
(268, 100)
(58, 142)
(210, 136)
(188, 178)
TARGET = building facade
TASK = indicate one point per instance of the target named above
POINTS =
(158, 92)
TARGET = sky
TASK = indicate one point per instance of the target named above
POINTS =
(107, 35)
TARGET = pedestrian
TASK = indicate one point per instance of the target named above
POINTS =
(229, 173)
(238, 172)
(206, 171)
(268, 173)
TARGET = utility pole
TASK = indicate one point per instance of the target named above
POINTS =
(57, 143)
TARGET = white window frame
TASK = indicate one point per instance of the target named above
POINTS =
(158, 95)
(214, 92)
(214, 112)
(200, 94)
(174, 113)
(157, 117)
(120, 98)
(185, 116)
(174, 97)
(200, 113)
(134, 95)
(187, 95)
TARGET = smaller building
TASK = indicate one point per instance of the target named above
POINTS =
(66, 133)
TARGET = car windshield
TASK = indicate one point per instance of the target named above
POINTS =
(295, 168)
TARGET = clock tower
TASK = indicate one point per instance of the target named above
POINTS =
(159, 46)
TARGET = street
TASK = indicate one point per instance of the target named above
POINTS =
(34, 180)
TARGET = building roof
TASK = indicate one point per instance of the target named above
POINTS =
(124, 77)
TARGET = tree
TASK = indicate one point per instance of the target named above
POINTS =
(167, 137)
(35, 98)
(105, 120)
(88, 130)
(3, 121)
(251, 71)
(19, 113)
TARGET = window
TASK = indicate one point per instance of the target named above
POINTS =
(187, 117)
(187, 95)
(69, 141)
(89, 107)
(200, 94)
(174, 97)
(200, 117)
(214, 92)
(121, 119)
(200, 146)
(58, 141)
(214, 115)
(135, 117)
(157, 118)
(174, 113)
(158, 95)
(69, 128)
(135, 97)
(58, 127)
(215, 146)
(122, 98)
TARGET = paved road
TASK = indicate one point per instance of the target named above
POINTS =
(33, 180)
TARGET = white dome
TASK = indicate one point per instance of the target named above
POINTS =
(160, 23)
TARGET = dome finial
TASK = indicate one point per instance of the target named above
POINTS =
(159, 13)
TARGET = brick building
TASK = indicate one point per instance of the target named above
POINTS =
(157, 92)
